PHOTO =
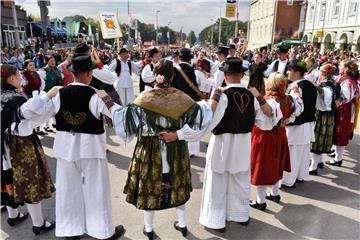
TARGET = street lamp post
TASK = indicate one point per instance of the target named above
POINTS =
(181, 34)
(212, 32)
(169, 33)
(156, 21)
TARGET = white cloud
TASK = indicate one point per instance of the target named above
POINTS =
(191, 15)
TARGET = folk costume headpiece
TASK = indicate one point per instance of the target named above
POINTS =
(327, 70)
(276, 84)
(6, 72)
(163, 73)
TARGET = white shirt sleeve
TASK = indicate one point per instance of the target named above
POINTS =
(346, 92)
(97, 107)
(298, 105)
(218, 79)
(210, 121)
(136, 67)
(268, 122)
(118, 117)
(147, 74)
(202, 81)
(112, 65)
(268, 71)
(42, 75)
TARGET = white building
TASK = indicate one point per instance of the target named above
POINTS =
(332, 24)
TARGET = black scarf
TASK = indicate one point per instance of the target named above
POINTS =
(11, 101)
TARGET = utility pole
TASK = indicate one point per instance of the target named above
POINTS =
(237, 18)
(17, 37)
(156, 27)
(212, 32)
(220, 25)
(169, 33)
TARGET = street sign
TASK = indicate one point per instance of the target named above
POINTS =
(236, 40)
(230, 9)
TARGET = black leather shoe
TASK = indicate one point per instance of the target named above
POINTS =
(274, 198)
(72, 238)
(119, 231)
(321, 165)
(332, 155)
(244, 223)
(183, 230)
(41, 133)
(38, 230)
(48, 129)
(313, 172)
(300, 180)
(220, 230)
(150, 235)
(334, 163)
(260, 206)
(18, 219)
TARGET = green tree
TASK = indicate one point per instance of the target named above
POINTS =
(191, 38)
(227, 31)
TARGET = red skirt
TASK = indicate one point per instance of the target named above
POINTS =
(343, 125)
(270, 155)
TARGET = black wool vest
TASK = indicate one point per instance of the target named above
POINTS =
(74, 115)
(276, 67)
(118, 67)
(180, 83)
(309, 95)
(239, 116)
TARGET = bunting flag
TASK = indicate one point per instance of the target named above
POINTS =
(230, 8)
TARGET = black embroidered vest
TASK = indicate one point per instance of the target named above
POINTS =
(239, 116)
(309, 95)
(74, 114)
(118, 67)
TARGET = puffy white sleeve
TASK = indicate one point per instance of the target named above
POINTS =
(42, 75)
(347, 92)
(298, 105)
(105, 75)
(268, 122)
(147, 74)
(136, 67)
(40, 104)
(112, 66)
(118, 118)
(210, 121)
(323, 103)
(218, 79)
(202, 81)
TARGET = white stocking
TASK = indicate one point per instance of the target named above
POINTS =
(149, 220)
(316, 159)
(275, 189)
(261, 194)
(180, 210)
(13, 212)
(339, 151)
(35, 214)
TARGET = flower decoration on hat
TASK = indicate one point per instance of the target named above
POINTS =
(327, 70)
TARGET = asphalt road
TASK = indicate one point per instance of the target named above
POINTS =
(323, 207)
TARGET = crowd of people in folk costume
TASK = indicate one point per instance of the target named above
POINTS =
(270, 132)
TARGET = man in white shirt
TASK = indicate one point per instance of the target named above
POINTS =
(280, 64)
(123, 68)
(218, 79)
(147, 72)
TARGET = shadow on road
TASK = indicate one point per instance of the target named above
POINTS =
(314, 222)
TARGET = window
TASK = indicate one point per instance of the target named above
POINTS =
(354, 7)
(311, 13)
(336, 8)
(322, 10)
(290, 2)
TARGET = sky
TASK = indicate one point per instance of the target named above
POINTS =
(191, 15)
